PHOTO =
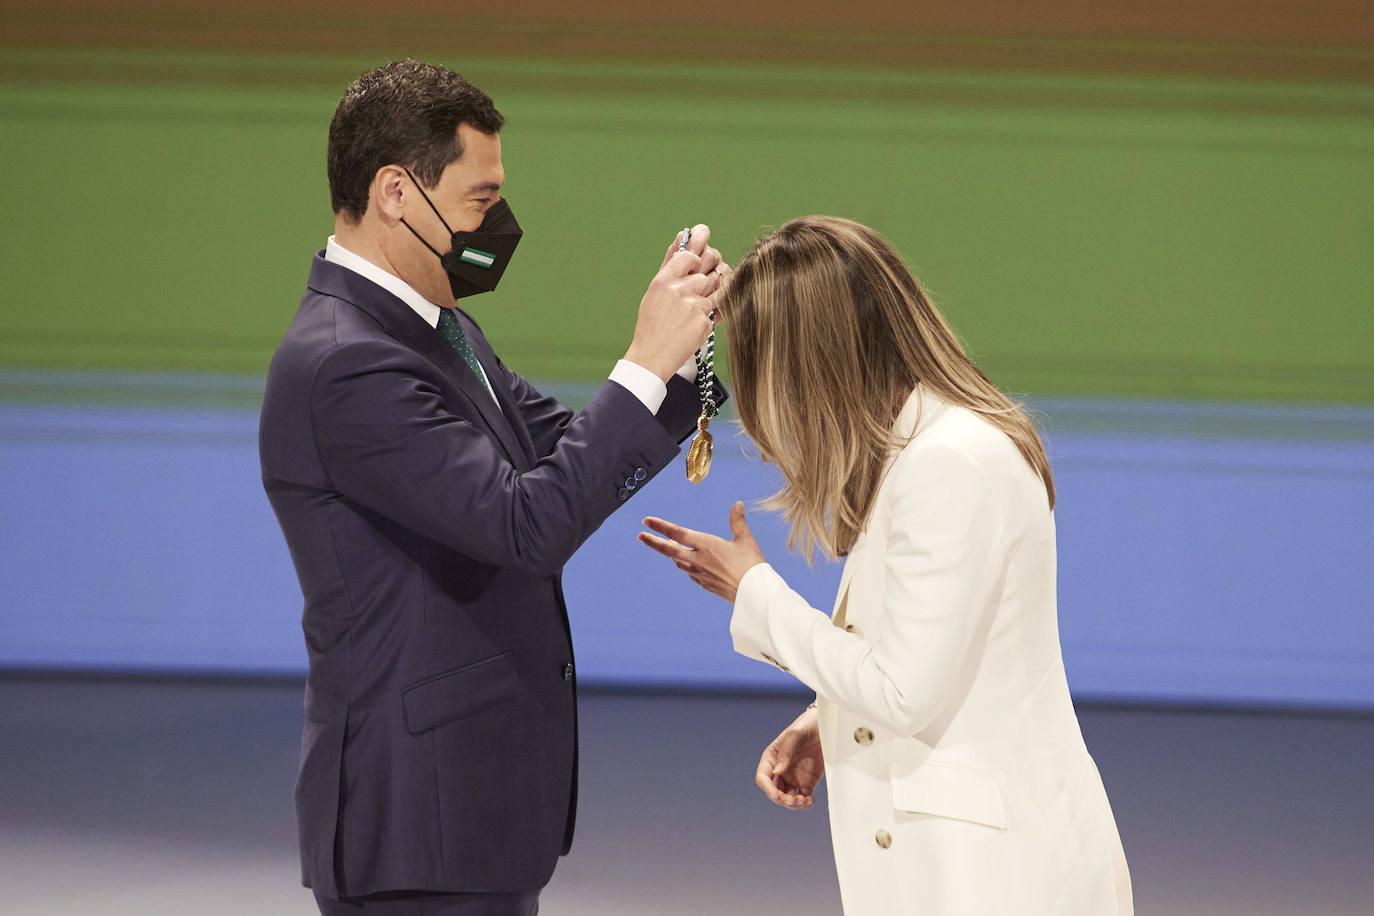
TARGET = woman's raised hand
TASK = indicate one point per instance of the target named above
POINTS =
(714, 563)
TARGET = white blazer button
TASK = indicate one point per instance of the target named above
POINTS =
(863, 736)
(852, 628)
(883, 839)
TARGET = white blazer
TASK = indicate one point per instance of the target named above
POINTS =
(958, 778)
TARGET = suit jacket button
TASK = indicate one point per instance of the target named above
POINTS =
(568, 671)
(853, 628)
(640, 474)
(624, 494)
(629, 483)
(863, 735)
(883, 839)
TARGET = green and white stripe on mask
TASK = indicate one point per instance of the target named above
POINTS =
(480, 258)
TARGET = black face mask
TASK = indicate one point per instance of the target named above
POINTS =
(477, 259)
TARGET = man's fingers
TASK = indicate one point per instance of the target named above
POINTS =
(704, 285)
(698, 244)
(673, 248)
(714, 280)
(682, 264)
(710, 260)
(701, 236)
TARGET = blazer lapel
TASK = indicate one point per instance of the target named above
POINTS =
(920, 409)
(851, 563)
(400, 321)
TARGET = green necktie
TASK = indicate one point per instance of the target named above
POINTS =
(453, 333)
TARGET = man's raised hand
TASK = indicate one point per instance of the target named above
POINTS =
(675, 313)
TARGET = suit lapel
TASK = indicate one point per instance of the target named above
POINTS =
(472, 387)
(400, 321)
(509, 412)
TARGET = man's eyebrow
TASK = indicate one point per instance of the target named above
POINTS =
(484, 186)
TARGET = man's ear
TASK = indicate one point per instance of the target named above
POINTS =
(389, 193)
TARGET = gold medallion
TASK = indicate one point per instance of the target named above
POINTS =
(699, 455)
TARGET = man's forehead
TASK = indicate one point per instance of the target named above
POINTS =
(470, 137)
(480, 164)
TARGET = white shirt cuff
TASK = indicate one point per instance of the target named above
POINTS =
(689, 369)
(641, 383)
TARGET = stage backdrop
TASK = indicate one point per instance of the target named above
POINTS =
(1158, 231)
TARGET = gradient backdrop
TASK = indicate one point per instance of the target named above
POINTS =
(1155, 226)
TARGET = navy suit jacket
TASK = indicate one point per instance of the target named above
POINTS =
(429, 528)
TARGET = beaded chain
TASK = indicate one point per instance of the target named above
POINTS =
(706, 377)
(706, 365)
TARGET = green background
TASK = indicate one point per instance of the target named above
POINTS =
(1161, 236)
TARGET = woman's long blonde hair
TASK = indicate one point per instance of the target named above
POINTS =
(829, 333)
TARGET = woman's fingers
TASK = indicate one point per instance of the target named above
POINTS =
(774, 782)
(676, 532)
(738, 526)
(704, 557)
(670, 549)
(773, 788)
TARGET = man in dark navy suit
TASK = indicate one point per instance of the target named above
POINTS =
(430, 497)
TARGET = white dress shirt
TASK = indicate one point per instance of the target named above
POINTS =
(640, 382)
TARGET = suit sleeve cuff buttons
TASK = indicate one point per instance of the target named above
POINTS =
(633, 480)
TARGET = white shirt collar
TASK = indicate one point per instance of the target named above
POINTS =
(338, 254)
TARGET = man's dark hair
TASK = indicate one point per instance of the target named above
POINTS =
(406, 113)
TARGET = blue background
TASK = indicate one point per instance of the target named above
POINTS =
(1208, 554)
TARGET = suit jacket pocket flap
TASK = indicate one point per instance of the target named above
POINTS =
(947, 790)
(459, 693)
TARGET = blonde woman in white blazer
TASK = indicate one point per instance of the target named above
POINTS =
(959, 781)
